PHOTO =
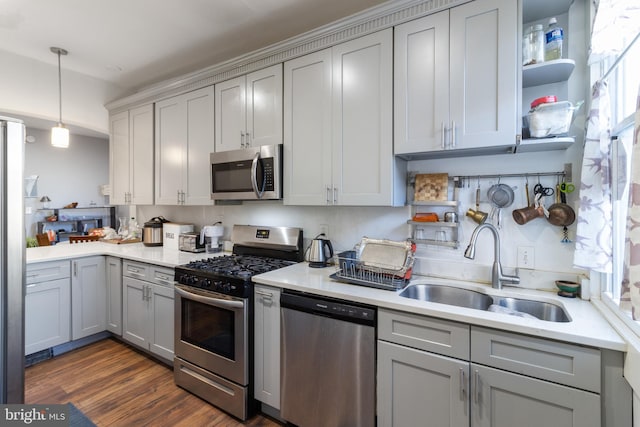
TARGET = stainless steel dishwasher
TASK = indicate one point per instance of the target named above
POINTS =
(327, 362)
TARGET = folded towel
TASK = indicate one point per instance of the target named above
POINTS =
(500, 309)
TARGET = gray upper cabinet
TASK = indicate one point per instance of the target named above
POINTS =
(249, 110)
(184, 141)
(338, 126)
(131, 156)
(456, 81)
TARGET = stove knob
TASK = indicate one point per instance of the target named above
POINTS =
(205, 283)
(217, 285)
(193, 280)
(226, 287)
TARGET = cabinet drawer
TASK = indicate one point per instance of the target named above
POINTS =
(425, 333)
(554, 361)
(162, 276)
(136, 270)
(46, 271)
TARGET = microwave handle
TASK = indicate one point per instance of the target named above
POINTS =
(254, 179)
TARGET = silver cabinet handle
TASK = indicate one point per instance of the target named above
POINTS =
(242, 137)
(328, 197)
(442, 136)
(75, 269)
(264, 294)
(462, 387)
(476, 386)
(335, 195)
(453, 134)
(247, 140)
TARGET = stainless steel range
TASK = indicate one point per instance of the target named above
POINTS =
(214, 315)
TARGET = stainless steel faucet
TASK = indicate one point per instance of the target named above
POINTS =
(497, 277)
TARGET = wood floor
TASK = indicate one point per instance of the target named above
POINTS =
(115, 385)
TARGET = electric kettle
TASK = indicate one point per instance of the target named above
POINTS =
(209, 236)
(317, 252)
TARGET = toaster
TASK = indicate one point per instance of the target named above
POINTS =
(190, 242)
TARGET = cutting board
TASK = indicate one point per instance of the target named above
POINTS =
(120, 241)
(431, 187)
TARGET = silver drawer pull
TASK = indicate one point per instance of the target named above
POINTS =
(264, 294)
(476, 388)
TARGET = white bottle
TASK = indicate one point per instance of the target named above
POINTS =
(553, 41)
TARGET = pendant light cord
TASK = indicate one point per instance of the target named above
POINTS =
(59, 88)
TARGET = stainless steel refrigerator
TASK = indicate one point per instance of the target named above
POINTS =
(12, 260)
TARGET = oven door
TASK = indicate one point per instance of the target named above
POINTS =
(211, 331)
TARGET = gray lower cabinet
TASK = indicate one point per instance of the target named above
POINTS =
(267, 345)
(88, 294)
(114, 295)
(505, 399)
(147, 307)
(419, 388)
(47, 305)
(443, 373)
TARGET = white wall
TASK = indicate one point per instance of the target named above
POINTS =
(30, 88)
(65, 175)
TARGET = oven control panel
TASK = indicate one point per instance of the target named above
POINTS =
(238, 289)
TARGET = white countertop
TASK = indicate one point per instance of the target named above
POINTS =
(158, 255)
(587, 327)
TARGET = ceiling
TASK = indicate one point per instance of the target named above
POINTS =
(136, 43)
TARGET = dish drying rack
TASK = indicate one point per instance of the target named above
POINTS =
(353, 270)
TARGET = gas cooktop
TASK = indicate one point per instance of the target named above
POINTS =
(240, 266)
(256, 250)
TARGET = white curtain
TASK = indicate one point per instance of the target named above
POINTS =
(630, 289)
(594, 230)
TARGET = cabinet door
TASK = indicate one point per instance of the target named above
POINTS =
(162, 319)
(421, 84)
(264, 107)
(503, 399)
(170, 145)
(307, 129)
(114, 295)
(47, 312)
(230, 114)
(200, 144)
(415, 386)
(267, 345)
(141, 152)
(119, 156)
(88, 294)
(362, 121)
(135, 311)
(484, 69)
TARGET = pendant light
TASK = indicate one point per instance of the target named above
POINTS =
(59, 133)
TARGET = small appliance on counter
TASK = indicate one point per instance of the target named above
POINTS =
(171, 233)
(210, 237)
(319, 252)
(152, 231)
(190, 242)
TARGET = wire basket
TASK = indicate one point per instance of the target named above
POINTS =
(352, 270)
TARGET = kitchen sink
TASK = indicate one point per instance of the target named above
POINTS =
(541, 310)
(448, 295)
(467, 298)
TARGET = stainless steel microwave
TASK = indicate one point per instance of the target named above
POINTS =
(253, 173)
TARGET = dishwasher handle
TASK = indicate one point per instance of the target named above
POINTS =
(337, 309)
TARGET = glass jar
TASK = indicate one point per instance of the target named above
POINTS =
(533, 45)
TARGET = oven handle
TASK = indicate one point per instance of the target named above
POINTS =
(217, 302)
(254, 178)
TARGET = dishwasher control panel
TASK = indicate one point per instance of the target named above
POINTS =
(323, 306)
